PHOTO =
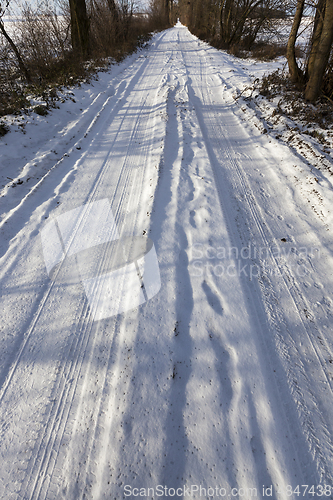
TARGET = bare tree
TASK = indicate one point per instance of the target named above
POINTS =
(161, 12)
(24, 70)
(296, 74)
(114, 10)
(319, 51)
(316, 34)
(229, 22)
(79, 28)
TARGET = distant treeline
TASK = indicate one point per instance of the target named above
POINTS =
(238, 24)
(52, 45)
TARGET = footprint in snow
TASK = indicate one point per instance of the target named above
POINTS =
(212, 298)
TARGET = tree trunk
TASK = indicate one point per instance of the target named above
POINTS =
(323, 50)
(317, 31)
(167, 8)
(113, 9)
(227, 21)
(22, 66)
(171, 12)
(296, 74)
(239, 27)
(79, 27)
(254, 34)
(221, 20)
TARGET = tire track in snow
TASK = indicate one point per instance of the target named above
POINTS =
(228, 436)
(71, 369)
(89, 199)
(125, 89)
(229, 396)
(132, 199)
(114, 104)
(216, 136)
(91, 482)
(223, 201)
(163, 192)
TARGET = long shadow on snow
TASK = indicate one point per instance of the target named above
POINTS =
(16, 225)
(176, 439)
(21, 218)
(255, 309)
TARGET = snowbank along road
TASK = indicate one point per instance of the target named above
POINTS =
(166, 298)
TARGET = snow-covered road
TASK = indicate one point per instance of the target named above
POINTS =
(222, 378)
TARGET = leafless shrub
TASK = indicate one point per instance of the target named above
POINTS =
(115, 29)
(268, 51)
(292, 104)
(158, 18)
(43, 37)
(12, 94)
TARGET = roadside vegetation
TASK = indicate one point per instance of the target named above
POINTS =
(45, 48)
(42, 50)
(239, 26)
(265, 30)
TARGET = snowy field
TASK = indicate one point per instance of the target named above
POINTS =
(10, 22)
(279, 29)
(196, 363)
(277, 32)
